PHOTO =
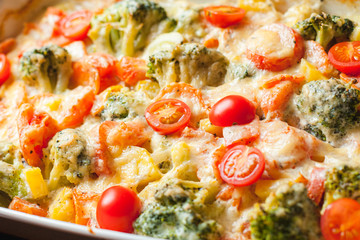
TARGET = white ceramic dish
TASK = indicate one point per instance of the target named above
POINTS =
(33, 227)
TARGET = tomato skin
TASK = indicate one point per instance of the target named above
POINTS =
(232, 110)
(223, 16)
(173, 106)
(236, 159)
(340, 220)
(345, 57)
(76, 25)
(117, 209)
(4, 68)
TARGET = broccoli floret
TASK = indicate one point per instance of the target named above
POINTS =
(190, 24)
(324, 27)
(289, 214)
(123, 105)
(328, 108)
(189, 62)
(238, 71)
(124, 28)
(175, 215)
(342, 182)
(67, 159)
(116, 107)
(48, 68)
(12, 183)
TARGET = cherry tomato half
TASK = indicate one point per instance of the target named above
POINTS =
(345, 57)
(340, 220)
(76, 25)
(232, 110)
(117, 209)
(224, 16)
(167, 116)
(242, 165)
(4, 68)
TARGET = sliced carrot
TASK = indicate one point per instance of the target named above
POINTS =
(226, 193)
(81, 200)
(54, 11)
(102, 154)
(302, 179)
(317, 56)
(316, 185)
(82, 76)
(111, 137)
(274, 99)
(35, 131)
(131, 70)
(122, 134)
(211, 43)
(355, 81)
(96, 70)
(182, 90)
(216, 160)
(7, 45)
(77, 106)
(269, 83)
(29, 26)
(24, 206)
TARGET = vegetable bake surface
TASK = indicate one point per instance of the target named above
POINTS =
(182, 120)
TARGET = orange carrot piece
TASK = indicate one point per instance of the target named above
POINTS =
(24, 206)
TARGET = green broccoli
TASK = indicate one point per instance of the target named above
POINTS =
(175, 215)
(125, 27)
(48, 68)
(12, 182)
(189, 62)
(289, 214)
(66, 159)
(324, 28)
(328, 108)
(123, 105)
(342, 182)
(190, 24)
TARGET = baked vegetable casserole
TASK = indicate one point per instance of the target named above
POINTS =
(228, 120)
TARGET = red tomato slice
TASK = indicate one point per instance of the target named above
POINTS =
(242, 165)
(76, 25)
(232, 110)
(345, 57)
(224, 16)
(167, 116)
(4, 68)
(275, 47)
(117, 209)
(340, 220)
